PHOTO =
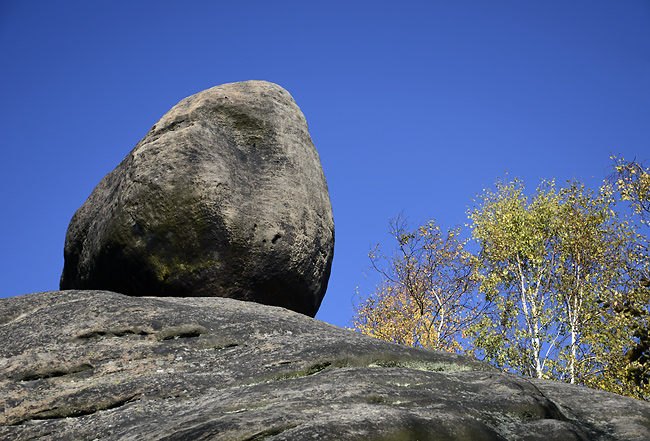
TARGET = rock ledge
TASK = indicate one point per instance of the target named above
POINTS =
(99, 365)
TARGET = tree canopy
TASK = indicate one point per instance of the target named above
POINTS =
(632, 179)
(552, 292)
(424, 298)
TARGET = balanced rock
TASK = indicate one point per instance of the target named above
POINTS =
(84, 365)
(225, 196)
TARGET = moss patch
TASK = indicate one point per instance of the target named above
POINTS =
(155, 244)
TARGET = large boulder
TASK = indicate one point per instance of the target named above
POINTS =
(225, 196)
(84, 365)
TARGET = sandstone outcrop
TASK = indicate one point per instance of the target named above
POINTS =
(90, 365)
(225, 196)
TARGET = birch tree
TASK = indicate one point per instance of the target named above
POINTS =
(546, 262)
(596, 251)
(518, 252)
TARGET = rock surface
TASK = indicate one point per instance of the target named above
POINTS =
(88, 365)
(225, 196)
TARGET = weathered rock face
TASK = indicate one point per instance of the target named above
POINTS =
(98, 365)
(225, 196)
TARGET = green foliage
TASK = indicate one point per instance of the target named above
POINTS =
(638, 356)
(546, 262)
(632, 180)
(553, 291)
(516, 236)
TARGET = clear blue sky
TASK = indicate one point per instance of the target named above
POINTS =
(414, 106)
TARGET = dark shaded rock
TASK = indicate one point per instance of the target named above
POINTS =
(99, 365)
(225, 196)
